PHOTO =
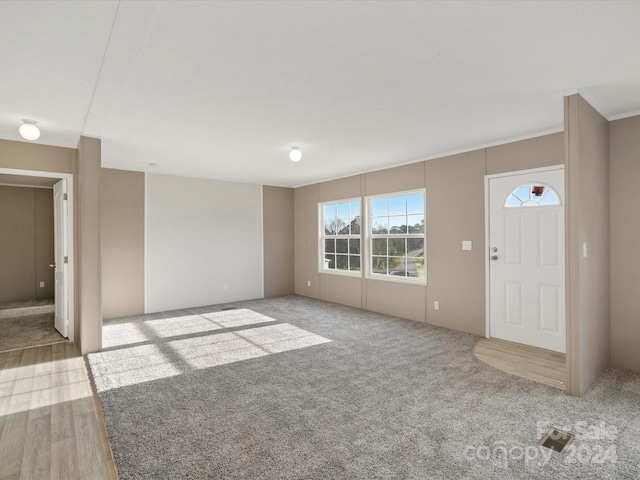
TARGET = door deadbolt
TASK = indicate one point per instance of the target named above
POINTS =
(494, 249)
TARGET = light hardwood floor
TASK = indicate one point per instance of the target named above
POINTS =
(50, 424)
(536, 364)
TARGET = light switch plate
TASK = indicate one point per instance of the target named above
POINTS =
(41, 284)
(467, 244)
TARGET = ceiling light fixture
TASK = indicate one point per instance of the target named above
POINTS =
(295, 154)
(29, 130)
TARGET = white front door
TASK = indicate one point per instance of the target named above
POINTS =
(526, 251)
(60, 258)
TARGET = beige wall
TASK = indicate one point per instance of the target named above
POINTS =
(122, 216)
(44, 246)
(624, 158)
(33, 156)
(305, 238)
(17, 261)
(277, 218)
(408, 177)
(89, 241)
(455, 212)
(587, 223)
(398, 299)
(536, 152)
(26, 243)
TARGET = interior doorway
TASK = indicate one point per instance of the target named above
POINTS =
(36, 305)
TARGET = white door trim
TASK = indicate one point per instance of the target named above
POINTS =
(487, 178)
(70, 237)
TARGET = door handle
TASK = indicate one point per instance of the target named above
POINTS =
(52, 265)
(494, 257)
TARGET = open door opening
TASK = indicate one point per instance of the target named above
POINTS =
(36, 258)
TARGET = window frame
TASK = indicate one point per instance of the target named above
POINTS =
(369, 237)
(537, 203)
(322, 237)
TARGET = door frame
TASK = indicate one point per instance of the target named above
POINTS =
(487, 277)
(70, 236)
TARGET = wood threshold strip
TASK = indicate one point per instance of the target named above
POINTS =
(537, 364)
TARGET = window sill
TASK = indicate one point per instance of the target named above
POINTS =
(404, 280)
(343, 273)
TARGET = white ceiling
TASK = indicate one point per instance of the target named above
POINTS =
(223, 89)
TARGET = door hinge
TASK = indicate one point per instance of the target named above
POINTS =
(66, 259)
(64, 197)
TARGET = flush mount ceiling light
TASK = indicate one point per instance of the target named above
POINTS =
(295, 154)
(29, 130)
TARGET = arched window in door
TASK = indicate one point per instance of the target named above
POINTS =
(532, 195)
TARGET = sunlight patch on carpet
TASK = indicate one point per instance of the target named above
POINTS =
(123, 364)
(171, 327)
(130, 366)
(122, 334)
(212, 351)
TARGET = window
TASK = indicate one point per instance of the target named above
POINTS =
(396, 236)
(340, 238)
(532, 195)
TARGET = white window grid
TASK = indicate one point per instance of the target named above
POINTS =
(370, 237)
(366, 239)
(350, 254)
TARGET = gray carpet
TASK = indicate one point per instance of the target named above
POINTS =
(26, 303)
(297, 388)
(27, 326)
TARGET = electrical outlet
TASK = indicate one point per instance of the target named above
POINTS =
(308, 283)
(41, 284)
(467, 244)
(436, 305)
